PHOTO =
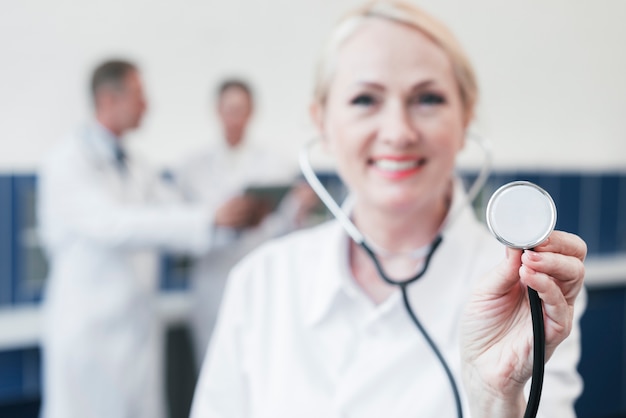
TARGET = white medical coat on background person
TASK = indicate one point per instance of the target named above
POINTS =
(296, 336)
(102, 226)
(212, 177)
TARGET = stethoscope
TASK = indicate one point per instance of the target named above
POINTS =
(503, 221)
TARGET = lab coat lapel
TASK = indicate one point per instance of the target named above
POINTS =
(96, 145)
(126, 187)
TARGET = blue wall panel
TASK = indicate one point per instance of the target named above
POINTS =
(20, 375)
(568, 204)
(20, 383)
(24, 408)
(590, 211)
(6, 256)
(609, 202)
(30, 266)
(11, 375)
(175, 271)
(603, 362)
(621, 215)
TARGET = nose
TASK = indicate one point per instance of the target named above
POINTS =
(397, 128)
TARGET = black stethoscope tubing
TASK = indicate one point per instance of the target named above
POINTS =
(403, 285)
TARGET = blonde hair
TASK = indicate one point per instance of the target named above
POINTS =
(408, 14)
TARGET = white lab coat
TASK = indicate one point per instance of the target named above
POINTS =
(212, 177)
(102, 230)
(296, 336)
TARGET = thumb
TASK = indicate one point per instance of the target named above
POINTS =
(505, 275)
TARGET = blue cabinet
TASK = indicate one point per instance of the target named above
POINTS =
(30, 267)
(6, 253)
(20, 376)
(603, 362)
(23, 267)
(175, 271)
(568, 202)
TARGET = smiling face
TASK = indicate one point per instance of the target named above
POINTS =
(393, 117)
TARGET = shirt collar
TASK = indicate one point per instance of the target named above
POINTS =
(334, 277)
(327, 281)
(102, 142)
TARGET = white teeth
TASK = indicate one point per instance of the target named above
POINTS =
(393, 165)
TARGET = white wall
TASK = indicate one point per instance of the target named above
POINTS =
(551, 72)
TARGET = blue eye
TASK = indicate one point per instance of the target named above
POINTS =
(431, 99)
(363, 100)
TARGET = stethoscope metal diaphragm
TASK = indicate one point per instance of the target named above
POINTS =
(521, 215)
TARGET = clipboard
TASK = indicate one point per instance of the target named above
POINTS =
(270, 195)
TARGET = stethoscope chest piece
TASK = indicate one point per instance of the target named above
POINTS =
(521, 215)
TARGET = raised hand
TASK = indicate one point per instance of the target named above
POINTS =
(496, 336)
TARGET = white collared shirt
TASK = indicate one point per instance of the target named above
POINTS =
(297, 337)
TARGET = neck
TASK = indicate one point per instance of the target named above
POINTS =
(109, 125)
(402, 232)
(234, 139)
(399, 235)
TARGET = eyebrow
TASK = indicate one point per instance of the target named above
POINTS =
(378, 86)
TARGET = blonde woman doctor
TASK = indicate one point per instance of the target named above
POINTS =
(308, 327)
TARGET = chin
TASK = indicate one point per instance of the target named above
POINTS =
(135, 125)
(398, 202)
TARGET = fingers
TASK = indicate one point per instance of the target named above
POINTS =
(560, 258)
(239, 212)
(568, 272)
(557, 310)
(555, 270)
(564, 243)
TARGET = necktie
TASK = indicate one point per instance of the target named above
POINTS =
(120, 158)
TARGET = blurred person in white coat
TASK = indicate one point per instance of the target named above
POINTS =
(219, 176)
(103, 217)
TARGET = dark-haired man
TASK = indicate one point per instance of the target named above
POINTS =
(103, 218)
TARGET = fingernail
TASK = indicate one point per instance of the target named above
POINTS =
(529, 271)
(534, 256)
